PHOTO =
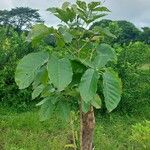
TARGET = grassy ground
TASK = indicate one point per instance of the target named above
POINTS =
(113, 132)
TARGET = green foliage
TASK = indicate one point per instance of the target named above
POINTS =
(10, 95)
(144, 36)
(27, 68)
(141, 134)
(86, 12)
(88, 85)
(38, 33)
(60, 72)
(24, 130)
(131, 60)
(105, 53)
(124, 31)
(111, 89)
(74, 43)
(37, 91)
(47, 108)
(12, 48)
(19, 18)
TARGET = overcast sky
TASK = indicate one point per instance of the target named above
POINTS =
(136, 11)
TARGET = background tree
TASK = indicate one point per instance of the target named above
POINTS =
(19, 18)
(126, 31)
(145, 35)
(129, 32)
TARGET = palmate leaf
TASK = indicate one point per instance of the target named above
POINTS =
(112, 89)
(105, 53)
(60, 72)
(27, 68)
(88, 85)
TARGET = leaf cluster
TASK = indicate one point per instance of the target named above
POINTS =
(75, 66)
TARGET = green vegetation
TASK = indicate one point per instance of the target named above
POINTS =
(77, 64)
(118, 131)
(126, 128)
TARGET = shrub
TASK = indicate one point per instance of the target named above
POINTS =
(12, 48)
(141, 134)
(135, 80)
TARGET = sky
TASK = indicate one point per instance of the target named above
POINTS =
(135, 11)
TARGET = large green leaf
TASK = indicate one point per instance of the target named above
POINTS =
(27, 68)
(66, 35)
(111, 89)
(60, 72)
(37, 91)
(105, 53)
(47, 109)
(38, 32)
(88, 85)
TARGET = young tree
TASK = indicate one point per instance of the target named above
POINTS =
(75, 67)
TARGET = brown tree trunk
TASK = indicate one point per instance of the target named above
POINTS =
(87, 123)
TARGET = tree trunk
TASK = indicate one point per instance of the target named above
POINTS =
(87, 124)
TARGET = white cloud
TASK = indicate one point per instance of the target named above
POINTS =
(6, 4)
(136, 11)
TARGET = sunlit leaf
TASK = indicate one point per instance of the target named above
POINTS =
(105, 53)
(60, 72)
(112, 89)
(88, 85)
(27, 68)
